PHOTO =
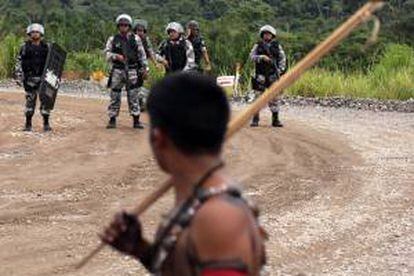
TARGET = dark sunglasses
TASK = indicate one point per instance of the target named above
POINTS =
(123, 25)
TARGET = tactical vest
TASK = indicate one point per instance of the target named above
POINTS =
(198, 44)
(128, 47)
(34, 59)
(176, 55)
(272, 51)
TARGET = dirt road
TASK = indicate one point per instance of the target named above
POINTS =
(336, 189)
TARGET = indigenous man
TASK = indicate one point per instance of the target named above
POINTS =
(176, 53)
(30, 65)
(200, 49)
(212, 231)
(127, 56)
(270, 63)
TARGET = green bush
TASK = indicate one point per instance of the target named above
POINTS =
(155, 74)
(9, 49)
(86, 62)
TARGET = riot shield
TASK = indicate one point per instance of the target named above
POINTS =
(51, 75)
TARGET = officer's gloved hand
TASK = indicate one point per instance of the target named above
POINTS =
(125, 234)
(120, 58)
(265, 58)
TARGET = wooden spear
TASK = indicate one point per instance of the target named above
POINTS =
(361, 16)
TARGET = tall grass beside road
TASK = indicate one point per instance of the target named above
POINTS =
(390, 78)
(9, 48)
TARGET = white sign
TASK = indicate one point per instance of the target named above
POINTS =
(52, 79)
(226, 81)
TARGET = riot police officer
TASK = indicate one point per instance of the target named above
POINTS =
(200, 48)
(30, 65)
(270, 63)
(129, 64)
(176, 53)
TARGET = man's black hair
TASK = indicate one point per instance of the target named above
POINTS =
(193, 111)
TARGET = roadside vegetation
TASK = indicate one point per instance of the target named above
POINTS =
(383, 71)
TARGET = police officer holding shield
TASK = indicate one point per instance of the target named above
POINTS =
(30, 65)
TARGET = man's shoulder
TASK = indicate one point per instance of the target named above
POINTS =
(221, 227)
(226, 216)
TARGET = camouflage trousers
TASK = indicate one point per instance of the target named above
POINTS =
(274, 105)
(31, 89)
(132, 83)
(143, 96)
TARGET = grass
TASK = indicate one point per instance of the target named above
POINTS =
(9, 48)
(87, 62)
(391, 78)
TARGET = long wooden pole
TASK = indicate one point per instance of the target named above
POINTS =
(361, 16)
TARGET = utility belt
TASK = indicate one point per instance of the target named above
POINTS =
(133, 67)
(261, 82)
(32, 82)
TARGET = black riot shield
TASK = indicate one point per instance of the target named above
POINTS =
(51, 75)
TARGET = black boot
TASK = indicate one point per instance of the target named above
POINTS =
(137, 123)
(28, 124)
(46, 126)
(255, 121)
(111, 123)
(275, 120)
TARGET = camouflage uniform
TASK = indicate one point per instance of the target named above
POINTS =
(137, 62)
(199, 48)
(268, 73)
(179, 54)
(132, 83)
(149, 51)
(29, 68)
